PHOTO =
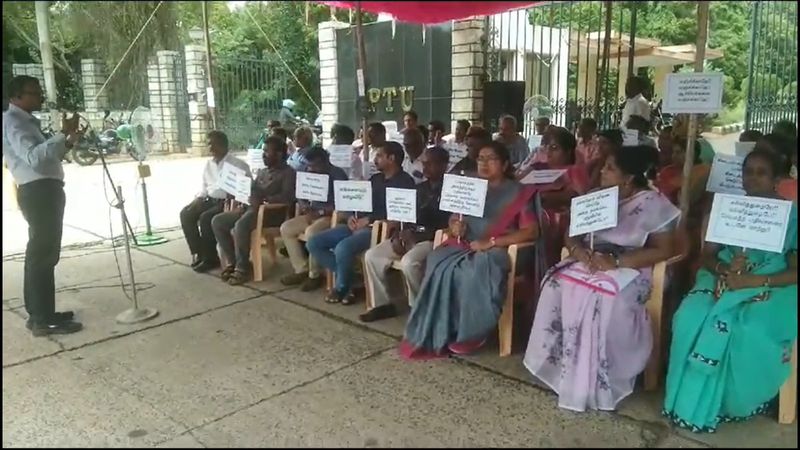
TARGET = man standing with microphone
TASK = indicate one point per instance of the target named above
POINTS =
(35, 164)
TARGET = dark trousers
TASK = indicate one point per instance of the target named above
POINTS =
(196, 223)
(42, 204)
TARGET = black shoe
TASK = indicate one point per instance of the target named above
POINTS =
(58, 317)
(379, 313)
(196, 261)
(294, 279)
(205, 266)
(45, 329)
(284, 252)
(312, 284)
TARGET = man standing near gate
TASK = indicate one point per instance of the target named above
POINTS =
(35, 165)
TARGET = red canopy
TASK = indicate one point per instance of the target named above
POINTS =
(432, 12)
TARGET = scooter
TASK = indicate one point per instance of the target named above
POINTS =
(111, 141)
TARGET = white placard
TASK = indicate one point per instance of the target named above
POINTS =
(244, 187)
(534, 142)
(594, 212)
(457, 152)
(741, 149)
(726, 175)
(693, 93)
(341, 156)
(401, 205)
(353, 196)
(463, 195)
(255, 159)
(749, 222)
(543, 176)
(228, 178)
(311, 186)
(360, 80)
(630, 138)
(210, 97)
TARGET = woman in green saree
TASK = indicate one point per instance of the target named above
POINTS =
(732, 336)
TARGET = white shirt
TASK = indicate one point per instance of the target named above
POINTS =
(413, 168)
(211, 176)
(636, 106)
(28, 154)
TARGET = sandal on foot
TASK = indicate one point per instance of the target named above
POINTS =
(238, 278)
(227, 272)
(349, 299)
(333, 297)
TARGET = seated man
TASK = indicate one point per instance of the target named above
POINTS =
(303, 139)
(314, 217)
(208, 203)
(336, 249)
(509, 136)
(412, 245)
(436, 132)
(274, 184)
(414, 143)
(477, 137)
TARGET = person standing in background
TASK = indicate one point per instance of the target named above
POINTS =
(410, 120)
(35, 165)
(636, 104)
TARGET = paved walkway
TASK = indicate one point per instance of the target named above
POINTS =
(260, 365)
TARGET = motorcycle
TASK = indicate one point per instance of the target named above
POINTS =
(113, 140)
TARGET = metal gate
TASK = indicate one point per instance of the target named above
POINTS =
(248, 94)
(572, 56)
(772, 81)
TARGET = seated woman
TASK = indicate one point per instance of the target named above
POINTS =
(733, 333)
(556, 197)
(608, 141)
(786, 148)
(670, 178)
(465, 282)
(591, 335)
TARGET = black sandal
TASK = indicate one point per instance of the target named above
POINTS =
(226, 274)
(237, 278)
(333, 297)
(349, 299)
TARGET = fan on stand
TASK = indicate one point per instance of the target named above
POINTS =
(145, 136)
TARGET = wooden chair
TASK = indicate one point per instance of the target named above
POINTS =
(655, 308)
(505, 326)
(265, 236)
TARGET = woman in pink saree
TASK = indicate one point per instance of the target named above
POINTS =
(591, 335)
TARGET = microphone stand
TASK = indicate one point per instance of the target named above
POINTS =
(134, 314)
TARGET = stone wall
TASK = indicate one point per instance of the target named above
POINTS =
(328, 77)
(467, 71)
(93, 75)
(196, 84)
(163, 74)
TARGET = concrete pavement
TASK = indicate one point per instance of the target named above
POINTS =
(260, 365)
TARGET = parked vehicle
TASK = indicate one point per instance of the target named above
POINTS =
(113, 140)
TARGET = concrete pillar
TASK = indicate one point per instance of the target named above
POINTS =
(93, 75)
(196, 84)
(467, 71)
(162, 80)
(329, 77)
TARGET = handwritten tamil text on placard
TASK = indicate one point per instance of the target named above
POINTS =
(255, 158)
(401, 205)
(311, 186)
(726, 175)
(463, 195)
(244, 186)
(341, 155)
(353, 195)
(229, 178)
(749, 222)
(542, 176)
(693, 93)
(594, 212)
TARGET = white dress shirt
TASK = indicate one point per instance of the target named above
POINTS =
(28, 154)
(211, 186)
(636, 106)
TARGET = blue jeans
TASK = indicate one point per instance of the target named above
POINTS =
(336, 250)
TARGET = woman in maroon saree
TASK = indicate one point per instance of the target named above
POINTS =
(465, 282)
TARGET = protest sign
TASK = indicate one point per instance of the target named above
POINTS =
(244, 187)
(401, 205)
(741, 149)
(341, 155)
(726, 175)
(228, 178)
(693, 93)
(311, 186)
(594, 212)
(749, 222)
(543, 176)
(255, 159)
(534, 142)
(463, 195)
(630, 138)
(353, 195)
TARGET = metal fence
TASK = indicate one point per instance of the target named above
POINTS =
(772, 81)
(573, 57)
(248, 94)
